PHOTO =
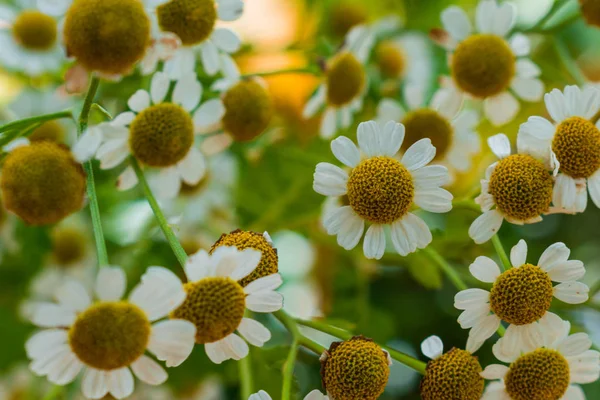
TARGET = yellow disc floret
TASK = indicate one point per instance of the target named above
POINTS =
(42, 183)
(192, 20)
(390, 60)
(35, 30)
(356, 369)
(454, 375)
(522, 295)
(109, 36)
(49, 130)
(345, 15)
(68, 245)
(248, 110)
(577, 147)
(380, 190)
(215, 305)
(242, 240)
(590, 9)
(540, 375)
(483, 65)
(161, 135)
(110, 335)
(521, 187)
(427, 123)
(345, 78)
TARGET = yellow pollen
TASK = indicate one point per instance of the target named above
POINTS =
(248, 110)
(540, 375)
(242, 240)
(380, 190)
(110, 335)
(344, 16)
(109, 36)
(49, 130)
(427, 123)
(590, 9)
(521, 187)
(215, 305)
(577, 147)
(346, 78)
(35, 30)
(522, 295)
(390, 60)
(454, 375)
(355, 369)
(42, 183)
(161, 135)
(68, 245)
(483, 65)
(192, 20)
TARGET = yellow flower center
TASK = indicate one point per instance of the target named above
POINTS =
(390, 59)
(161, 135)
(454, 375)
(483, 65)
(345, 79)
(343, 16)
(35, 30)
(68, 245)
(521, 186)
(540, 375)
(49, 130)
(355, 369)
(522, 295)
(215, 305)
(110, 335)
(427, 123)
(248, 110)
(242, 240)
(192, 20)
(380, 190)
(42, 183)
(109, 36)
(577, 147)
(590, 9)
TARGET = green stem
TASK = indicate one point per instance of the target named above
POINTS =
(158, 214)
(446, 268)
(246, 379)
(102, 111)
(288, 370)
(28, 121)
(306, 70)
(505, 261)
(53, 393)
(466, 204)
(565, 57)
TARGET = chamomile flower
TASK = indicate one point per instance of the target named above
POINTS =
(519, 186)
(552, 370)
(451, 375)
(314, 395)
(29, 39)
(489, 65)
(345, 83)
(157, 132)
(520, 296)
(381, 190)
(110, 336)
(571, 144)
(216, 301)
(452, 132)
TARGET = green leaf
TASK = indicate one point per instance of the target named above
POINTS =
(564, 14)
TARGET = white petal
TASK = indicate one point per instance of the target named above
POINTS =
(485, 269)
(159, 292)
(72, 295)
(518, 254)
(181, 63)
(94, 384)
(166, 184)
(209, 113)
(193, 167)
(500, 145)
(494, 371)
(87, 145)
(230, 10)
(149, 371)
(329, 123)
(216, 353)
(120, 383)
(197, 266)
(473, 316)
(470, 298)
(572, 292)
(210, 57)
(484, 16)
(574, 393)
(139, 101)
(555, 253)
(535, 137)
(527, 68)
(159, 87)
(49, 315)
(417, 232)
(315, 102)
(254, 332)
(346, 151)
(112, 153)
(556, 105)
(435, 200)
(584, 367)
(237, 347)
(566, 271)
(264, 302)
(485, 329)
(486, 226)
(456, 22)
(247, 261)
(431, 176)
(351, 230)
(44, 342)
(334, 220)
(226, 39)
(504, 19)
(110, 284)
(575, 344)
(187, 92)
(564, 195)
(65, 369)
(432, 347)
(520, 45)
(400, 239)
(528, 89)
(368, 138)
(313, 395)
(264, 284)
(330, 180)
(419, 154)
(391, 138)
(389, 110)
(127, 180)
(501, 108)
(172, 341)
(53, 7)
(230, 71)
(594, 187)
(374, 243)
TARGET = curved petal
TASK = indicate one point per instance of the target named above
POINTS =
(210, 57)
(417, 232)
(594, 187)
(120, 383)
(49, 315)
(435, 200)
(238, 348)
(473, 316)
(172, 341)
(159, 292)
(197, 266)
(518, 254)
(351, 230)
(555, 253)
(193, 167)
(572, 292)
(556, 105)
(94, 384)
(139, 101)
(432, 347)
(315, 102)
(264, 284)
(486, 226)
(127, 180)
(485, 269)
(500, 145)
(431, 176)
(528, 89)
(44, 342)
(368, 138)
(564, 195)
(346, 151)
(264, 302)
(209, 113)
(470, 298)
(494, 371)
(328, 123)
(501, 108)
(391, 138)
(374, 243)
(254, 332)
(159, 87)
(149, 371)
(187, 92)
(575, 344)
(247, 261)
(566, 271)
(216, 352)
(485, 329)
(72, 295)
(230, 10)
(330, 180)
(419, 154)
(166, 184)
(226, 39)
(389, 110)
(456, 22)
(110, 284)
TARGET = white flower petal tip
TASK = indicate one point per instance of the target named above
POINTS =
(432, 347)
(500, 145)
(518, 254)
(172, 341)
(159, 292)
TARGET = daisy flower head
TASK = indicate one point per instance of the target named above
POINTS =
(314, 395)
(590, 10)
(518, 189)
(520, 296)
(452, 131)
(216, 301)
(345, 83)
(158, 132)
(451, 375)
(571, 144)
(489, 64)
(29, 39)
(553, 369)
(382, 189)
(108, 338)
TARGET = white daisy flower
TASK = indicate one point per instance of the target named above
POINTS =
(451, 131)
(490, 64)
(29, 39)
(157, 132)
(314, 395)
(520, 296)
(218, 316)
(107, 337)
(345, 83)
(571, 143)
(194, 24)
(553, 369)
(518, 189)
(381, 190)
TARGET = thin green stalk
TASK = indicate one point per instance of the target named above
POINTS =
(288, 370)
(446, 268)
(594, 289)
(505, 261)
(158, 214)
(311, 71)
(292, 327)
(102, 111)
(311, 345)
(466, 204)
(31, 120)
(53, 393)
(246, 379)
(565, 56)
